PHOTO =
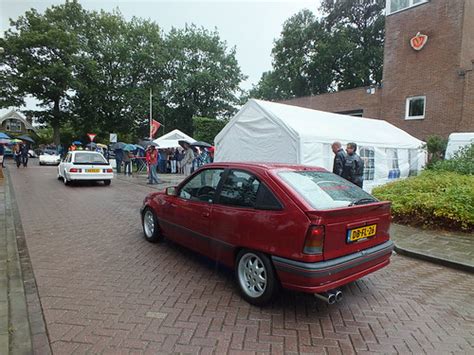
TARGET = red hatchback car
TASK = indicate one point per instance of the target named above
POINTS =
(299, 227)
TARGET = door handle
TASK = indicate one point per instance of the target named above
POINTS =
(205, 214)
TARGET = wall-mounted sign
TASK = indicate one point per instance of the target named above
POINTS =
(419, 41)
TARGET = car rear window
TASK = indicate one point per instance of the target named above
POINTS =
(325, 190)
(89, 158)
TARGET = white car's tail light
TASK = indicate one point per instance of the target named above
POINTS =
(75, 170)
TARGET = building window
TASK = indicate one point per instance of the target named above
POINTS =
(367, 154)
(13, 125)
(393, 166)
(415, 108)
(399, 5)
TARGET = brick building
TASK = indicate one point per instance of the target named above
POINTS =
(428, 77)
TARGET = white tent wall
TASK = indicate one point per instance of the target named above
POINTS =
(253, 136)
(170, 139)
(270, 132)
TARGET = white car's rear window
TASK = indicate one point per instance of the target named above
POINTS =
(324, 190)
(89, 158)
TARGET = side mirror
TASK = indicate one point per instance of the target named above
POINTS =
(171, 191)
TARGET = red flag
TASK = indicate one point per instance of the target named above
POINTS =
(155, 125)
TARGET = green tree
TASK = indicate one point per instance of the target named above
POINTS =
(39, 58)
(342, 50)
(206, 129)
(123, 60)
(203, 77)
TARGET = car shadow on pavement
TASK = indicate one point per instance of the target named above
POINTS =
(302, 304)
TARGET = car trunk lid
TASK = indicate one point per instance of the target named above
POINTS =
(351, 229)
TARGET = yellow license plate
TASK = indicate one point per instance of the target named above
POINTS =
(93, 171)
(361, 233)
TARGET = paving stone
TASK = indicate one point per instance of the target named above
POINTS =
(104, 289)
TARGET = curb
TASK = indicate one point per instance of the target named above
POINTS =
(38, 331)
(434, 260)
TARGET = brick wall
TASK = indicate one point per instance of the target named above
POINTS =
(342, 101)
(431, 72)
(441, 71)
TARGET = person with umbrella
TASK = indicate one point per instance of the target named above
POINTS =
(188, 158)
(24, 154)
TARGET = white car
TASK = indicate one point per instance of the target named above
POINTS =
(49, 157)
(85, 165)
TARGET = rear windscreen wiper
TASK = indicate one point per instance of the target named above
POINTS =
(362, 201)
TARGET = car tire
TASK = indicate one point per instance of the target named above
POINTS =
(151, 229)
(66, 181)
(256, 277)
(40, 163)
(107, 182)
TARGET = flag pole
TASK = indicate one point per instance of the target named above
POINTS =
(151, 112)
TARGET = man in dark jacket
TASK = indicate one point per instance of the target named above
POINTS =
(354, 166)
(339, 158)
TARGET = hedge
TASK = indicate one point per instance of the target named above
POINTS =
(436, 199)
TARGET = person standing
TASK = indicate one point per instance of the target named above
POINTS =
(188, 159)
(127, 164)
(2, 155)
(152, 160)
(339, 158)
(24, 154)
(354, 166)
(118, 160)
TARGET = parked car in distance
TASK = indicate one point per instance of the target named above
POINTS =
(85, 166)
(49, 157)
(299, 227)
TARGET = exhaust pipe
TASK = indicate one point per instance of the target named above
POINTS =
(328, 297)
(338, 296)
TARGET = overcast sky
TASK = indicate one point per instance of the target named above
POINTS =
(250, 26)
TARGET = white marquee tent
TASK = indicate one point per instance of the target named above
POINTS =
(170, 139)
(271, 132)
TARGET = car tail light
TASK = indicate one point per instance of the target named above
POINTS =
(75, 170)
(107, 170)
(314, 240)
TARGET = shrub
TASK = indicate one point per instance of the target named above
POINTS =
(436, 147)
(462, 162)
(437, 199)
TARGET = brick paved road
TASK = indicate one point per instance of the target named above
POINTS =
(105, 289)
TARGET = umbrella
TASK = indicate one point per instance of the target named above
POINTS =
(139, 147)
(4, 136)
(100, 145)
(26, 138)
(91, 144)
(201, 144)
(129, 147)
(183, 142)
(77, 143)
(4, 140)
(14, 141)
(118, 146)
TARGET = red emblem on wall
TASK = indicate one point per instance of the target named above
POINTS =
(419, 41)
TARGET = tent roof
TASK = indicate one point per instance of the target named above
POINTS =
(176, 135)
(312, 125)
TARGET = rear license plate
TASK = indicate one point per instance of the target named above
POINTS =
(361, 233)
(93, 171)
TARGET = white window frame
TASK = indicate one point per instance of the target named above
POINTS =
(369, 169)
(407, 108)
(388, 9)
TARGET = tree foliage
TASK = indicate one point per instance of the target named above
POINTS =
(206, 129)
(92, 71)
(342, 50)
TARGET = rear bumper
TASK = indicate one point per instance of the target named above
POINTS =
(89, 177)
(326, 275)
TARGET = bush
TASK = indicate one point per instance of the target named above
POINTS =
(462, 162)
(437, 199)
(436, 147)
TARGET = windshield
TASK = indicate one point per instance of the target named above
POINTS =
(89, 158)
(324, 190)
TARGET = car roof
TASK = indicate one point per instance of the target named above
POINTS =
(265, 166)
